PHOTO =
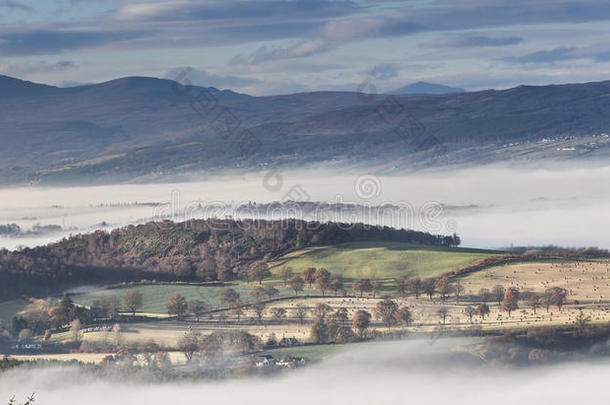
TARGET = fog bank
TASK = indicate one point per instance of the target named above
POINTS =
(492, 206)
(378, 373)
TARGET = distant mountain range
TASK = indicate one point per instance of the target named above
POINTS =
(145, 129)
(427, 88)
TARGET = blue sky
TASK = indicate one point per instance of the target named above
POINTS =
(283, 46)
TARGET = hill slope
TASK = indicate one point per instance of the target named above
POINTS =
(143, 128)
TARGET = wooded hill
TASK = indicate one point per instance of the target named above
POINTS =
(199, 250)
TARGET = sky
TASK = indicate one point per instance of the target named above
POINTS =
(264, 47)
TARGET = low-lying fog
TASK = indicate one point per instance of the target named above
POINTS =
(377, 373)
(492, 206)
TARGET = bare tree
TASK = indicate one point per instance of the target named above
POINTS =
(458, 290)
(297, 283)
(279, 314)
(361, 286)
(375, 287)
(442, 312)
(470, 312)
(176, 305)
(259, 310)
(197, 308)
(285, 274)
(321, 310)
(556, 296)
(498, 293)
(483, 310)
(428, 285)
(133, 301)
(189, 344)
(534, 303)
(401, 285)
(336, 284)
(484, 295)
(300, 312)
(308, 275)
(415, 286)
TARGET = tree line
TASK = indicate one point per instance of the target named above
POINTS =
(203, 250)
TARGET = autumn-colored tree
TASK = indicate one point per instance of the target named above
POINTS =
(133, 301)
(285, 274)
(511, 300)
(258, 270)
(176, 305)
(361, 322)
(300, 312)
(308, 275)
(498, 292)
(483, 310)
(336, 284)
(443, 287)
(258, 293)
(385, 310)
(361, 286)
(323, 284)
(297, 284)
(322, 274)
(227, 296)
(57, 317)
(197, 308)
(404, 316)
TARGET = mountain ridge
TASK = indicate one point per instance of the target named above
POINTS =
(137, 127)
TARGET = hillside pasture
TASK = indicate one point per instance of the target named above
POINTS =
(155, 296)
(383, 260)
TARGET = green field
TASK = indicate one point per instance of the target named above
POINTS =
(155, 296)
(383, 260)
(8, 309)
